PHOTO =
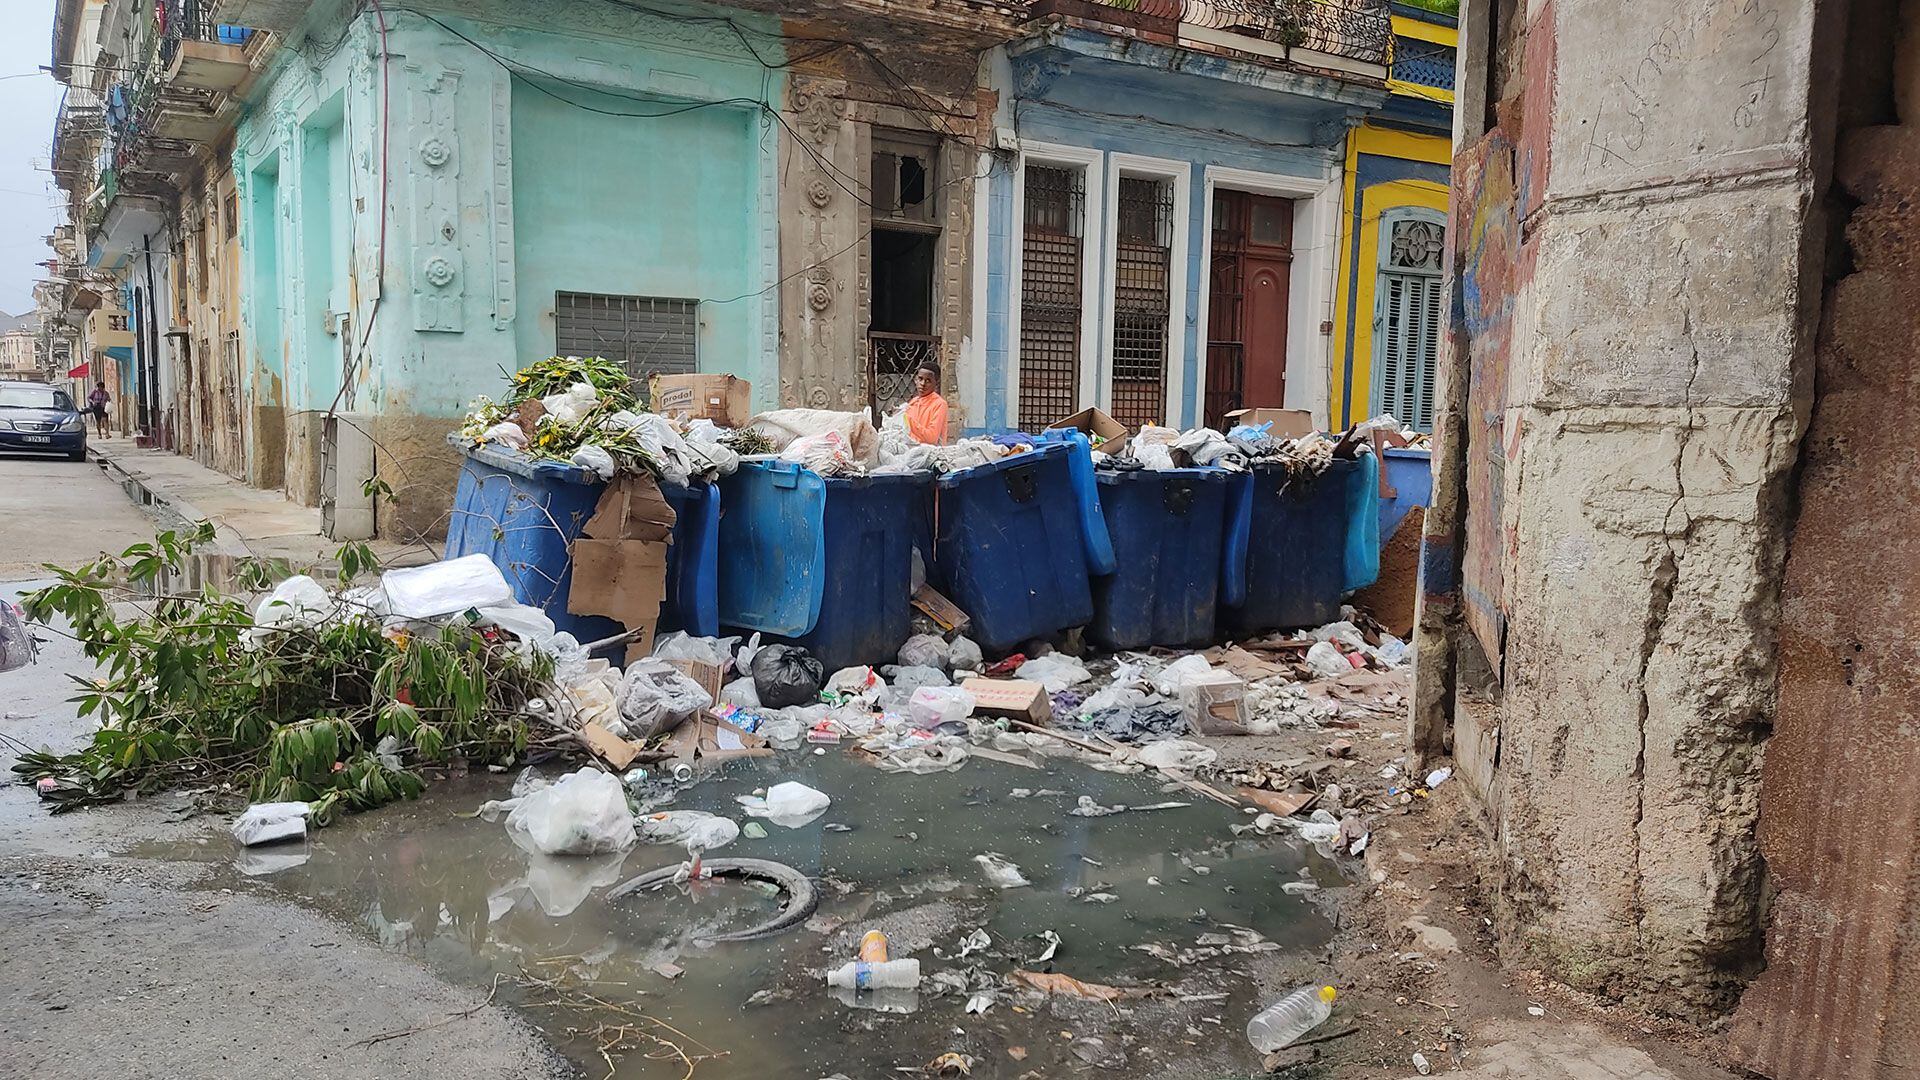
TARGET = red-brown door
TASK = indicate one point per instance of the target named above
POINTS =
(1265, 312)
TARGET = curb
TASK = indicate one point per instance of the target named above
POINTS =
(170, 509)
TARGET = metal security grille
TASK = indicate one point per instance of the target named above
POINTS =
(1226, 352)
(892, 362)
(650, 335)
(1142, 279)
(1051, 248)
(1423, 63)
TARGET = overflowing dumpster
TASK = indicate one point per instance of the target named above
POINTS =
(1168, 530)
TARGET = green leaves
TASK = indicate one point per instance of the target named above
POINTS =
(354, 559)
(185, 693)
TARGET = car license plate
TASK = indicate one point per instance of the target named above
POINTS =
(37, 438)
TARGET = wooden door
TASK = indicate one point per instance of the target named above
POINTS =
(1266, 331)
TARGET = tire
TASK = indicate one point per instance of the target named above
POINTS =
(77, 455)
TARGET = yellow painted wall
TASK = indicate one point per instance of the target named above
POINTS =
(1359, 267)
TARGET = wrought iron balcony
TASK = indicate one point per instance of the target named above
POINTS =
(1357, 30)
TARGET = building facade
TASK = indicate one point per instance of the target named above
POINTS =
(333, 225)
(19, 353)
(1389, 310)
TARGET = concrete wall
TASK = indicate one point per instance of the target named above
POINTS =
(1636, 259)
(1082, 100)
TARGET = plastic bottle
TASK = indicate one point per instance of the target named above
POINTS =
(889, 975)
(1280, 1023)
(873, 947)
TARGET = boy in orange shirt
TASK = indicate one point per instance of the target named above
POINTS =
(926, 414)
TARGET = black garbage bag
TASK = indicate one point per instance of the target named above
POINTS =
(786, 675)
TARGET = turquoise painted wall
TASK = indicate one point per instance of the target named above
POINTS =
(601, 205)
(493, 200)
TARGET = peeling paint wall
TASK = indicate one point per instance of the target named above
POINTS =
(1635, 297)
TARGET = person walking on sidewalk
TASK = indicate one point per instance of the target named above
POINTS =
(97, 405)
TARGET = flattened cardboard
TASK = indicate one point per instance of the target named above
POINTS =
(1020, 699)
(631, 508)
(1280, 803)
(727, 400)
(608, 747)
(625, 580)
(711, 677)
(1112, 434)
(940, 609)
(713, 739)
(1287, 423)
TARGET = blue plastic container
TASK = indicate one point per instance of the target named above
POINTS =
(1009, 549)
(1169, 532)
(1293, 539)
(823, 562)
(1086, 494)
(1362, 560)
(1410, 475)
(524, 515)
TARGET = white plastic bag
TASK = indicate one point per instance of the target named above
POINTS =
(926, 650)
(740, 692)
(1327, 661)
(783, 426)
(264, 823)
(826, 453)
(1055, 671)
(662, 443)
(931, 706)
(680, 645)
(594, 458)
(697, 829)
(790, 804)
(569, 405)
(1176, 754)
(1175, 677)
(1001, 871)
(524, 621)
(297, 601)
(655, 696)
(965, 655)
(583, 813)
(506, 433)
(443, 588)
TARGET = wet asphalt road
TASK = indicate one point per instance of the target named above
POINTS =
(114, 964)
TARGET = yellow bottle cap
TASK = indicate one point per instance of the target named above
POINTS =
(1328, 993)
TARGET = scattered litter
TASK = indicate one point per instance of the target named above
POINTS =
(790, 804)
(1001, 872)
(1421, 1065)
(979, 1003)
(1056, 672)
(753, 830)
(1099, 898)
(1176, 754)
(785, 675)
(443, 588)
(668, 970)
(975, 941)
(265, 823)
(1055, 983)
(950, 1065)
(1088, 808)
(1535, 1010)
(1280, 1024)
(583, 813)
(1053, 946)
(1438, 777)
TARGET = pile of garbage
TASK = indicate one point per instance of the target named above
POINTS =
(582, 411)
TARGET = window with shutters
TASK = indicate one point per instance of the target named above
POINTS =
(1052, 239)
(1142, 275)
(1409, 314)
(649, 334)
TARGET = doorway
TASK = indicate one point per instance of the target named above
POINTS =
(1247, 307)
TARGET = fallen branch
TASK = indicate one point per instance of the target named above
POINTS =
(462, 1015)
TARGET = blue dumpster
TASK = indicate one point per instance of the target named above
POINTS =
(1168, 530)
(1292, 534)
(823, 562)
(1410, 476)
(1086, 493)
(524, 515)
(1009, 547)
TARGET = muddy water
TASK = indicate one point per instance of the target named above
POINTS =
(893, 851)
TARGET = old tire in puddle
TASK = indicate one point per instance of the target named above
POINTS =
(802, 899)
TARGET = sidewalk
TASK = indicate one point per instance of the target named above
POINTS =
(247, 521)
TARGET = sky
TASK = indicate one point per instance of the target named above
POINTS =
(30, 205)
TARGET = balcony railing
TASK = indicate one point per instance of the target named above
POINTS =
(192, 20)
(1351, 29)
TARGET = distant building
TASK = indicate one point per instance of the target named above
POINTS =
(19, 339)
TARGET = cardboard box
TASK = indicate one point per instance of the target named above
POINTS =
(1216, 704)
(726, 400)
(1287, 423)
(620, 563)
(711, 677)
(1019, 699)
(1109, 436)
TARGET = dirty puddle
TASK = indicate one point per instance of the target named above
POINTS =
(894, 852)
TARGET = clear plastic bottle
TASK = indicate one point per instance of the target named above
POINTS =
(1280, 1023)
(888, 975)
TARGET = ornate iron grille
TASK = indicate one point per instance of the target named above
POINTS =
(891, 361)
(1423, 63)
(1142, 275)
(1226, 352)
(1051, 248)
(1353, 29)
